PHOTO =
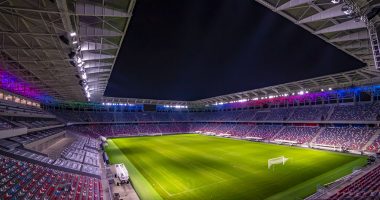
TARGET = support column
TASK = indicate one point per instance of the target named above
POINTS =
(374, 44)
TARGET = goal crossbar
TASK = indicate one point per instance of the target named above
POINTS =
(279, 160)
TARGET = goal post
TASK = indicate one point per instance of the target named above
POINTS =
(274, 161)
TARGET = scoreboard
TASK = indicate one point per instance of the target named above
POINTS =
(149, 107)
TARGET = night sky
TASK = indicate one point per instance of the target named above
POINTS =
(194, 49)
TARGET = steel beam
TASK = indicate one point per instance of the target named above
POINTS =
(361, 35)
(345, 26)
(292, 4)
(90, 9)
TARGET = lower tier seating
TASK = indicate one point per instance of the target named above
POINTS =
(365, 188)
(347, 137)
(351, 138)
(23, 180)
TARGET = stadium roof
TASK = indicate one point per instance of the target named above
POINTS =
(38, 44)
(42, 40)
(331, 22)
(363, 76)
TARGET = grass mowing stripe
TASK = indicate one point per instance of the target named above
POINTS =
(141, 185)
(192, 166)
(309, 187)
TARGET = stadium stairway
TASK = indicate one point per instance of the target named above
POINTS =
(275, 135)
(317, 135)
(331, 111)
(370, 141)
(254, 115)
(230, 129)
(290, 114)
(158, 127)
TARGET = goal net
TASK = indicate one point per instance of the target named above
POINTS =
(279, 160)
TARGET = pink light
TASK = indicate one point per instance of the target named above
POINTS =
(13, 84)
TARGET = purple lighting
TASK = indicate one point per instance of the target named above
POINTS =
(13, 84)
(293, 98)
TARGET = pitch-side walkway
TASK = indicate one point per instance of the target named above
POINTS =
(125, 191)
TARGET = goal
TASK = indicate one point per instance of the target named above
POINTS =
(279, 160)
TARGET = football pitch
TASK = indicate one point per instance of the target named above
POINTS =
(192, 166)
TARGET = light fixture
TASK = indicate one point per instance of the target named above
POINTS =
(79, 60)
(335, 1)
(80, 64)
(75, 42)
(84, 76)
(73, 34)
(346, 9)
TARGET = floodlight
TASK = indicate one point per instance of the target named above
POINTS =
(73, 34)
(346, 9)
(84, 75)
(80, 64)
(79, 60)
(335, 1)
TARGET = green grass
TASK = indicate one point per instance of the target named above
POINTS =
(205, 167)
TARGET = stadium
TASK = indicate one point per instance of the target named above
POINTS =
(144, 99)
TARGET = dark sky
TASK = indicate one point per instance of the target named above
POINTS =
(193, 49)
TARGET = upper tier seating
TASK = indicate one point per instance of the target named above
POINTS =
(360, 112)
(279, 114)
(8, 107)
(319, 113)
